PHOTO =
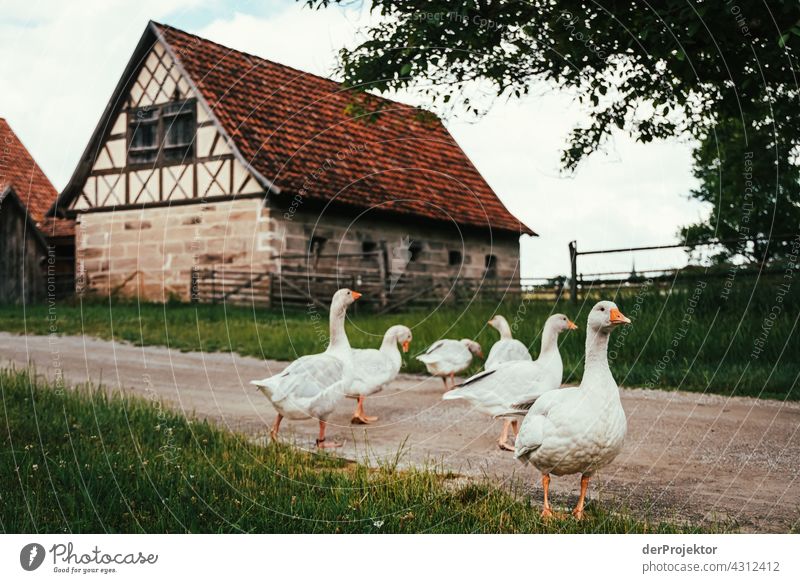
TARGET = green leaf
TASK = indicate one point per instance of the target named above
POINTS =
(405, 70)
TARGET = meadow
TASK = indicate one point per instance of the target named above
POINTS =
(82, 460)
(709, 339)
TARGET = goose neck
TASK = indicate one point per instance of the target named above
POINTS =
(596, 364)
(390, 350)
(389, 344)
(338, 338)
(504, 329)
(549, 342)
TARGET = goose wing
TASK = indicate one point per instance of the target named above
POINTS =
(484, 391)
(372, 369)
(535, 426)
(550, 411)
(444, 351)
(497, 391)
(530, 436)
(507, 350)
(428, 355)
(306, 378)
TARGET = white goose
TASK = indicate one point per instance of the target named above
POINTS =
(311, 386)
(515, 386)
(445, 358)
(374, 368)
(579, 429)
(507, 348)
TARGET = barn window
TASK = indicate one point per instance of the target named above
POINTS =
(162, 135)
(491, 266)
(454, 258)
(315, 246)
(368, 249)
(414, 251)
(179, 128)
(143, 145)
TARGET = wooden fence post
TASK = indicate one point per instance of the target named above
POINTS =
(383, 273)
(573, 278)
(559, 288)
(354, 309)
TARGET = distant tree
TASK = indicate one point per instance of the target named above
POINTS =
(695, 69)
(753, 192)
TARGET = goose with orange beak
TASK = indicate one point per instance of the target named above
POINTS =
(375, 368)
(311, 386)
(578, 430)
(509, 389)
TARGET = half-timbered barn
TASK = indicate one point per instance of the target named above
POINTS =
(214, 174)
(36, 252)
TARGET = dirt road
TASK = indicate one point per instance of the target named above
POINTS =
(698, 457)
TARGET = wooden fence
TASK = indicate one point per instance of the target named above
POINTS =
(581, 284)
(294, 288)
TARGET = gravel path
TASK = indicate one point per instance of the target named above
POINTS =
(687, 456)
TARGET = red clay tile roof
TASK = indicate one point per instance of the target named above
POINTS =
(295, 130)
(57, 227)
(19, 170)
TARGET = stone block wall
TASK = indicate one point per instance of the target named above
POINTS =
(150, 253)
(430, 246)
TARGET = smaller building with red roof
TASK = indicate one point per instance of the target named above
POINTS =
(36, 251)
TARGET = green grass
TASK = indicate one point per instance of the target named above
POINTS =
(710, 349)
(84, 461)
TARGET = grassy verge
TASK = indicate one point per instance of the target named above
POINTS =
(86, 461)
(734, 342)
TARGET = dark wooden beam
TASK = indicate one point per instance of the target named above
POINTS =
(207, 200)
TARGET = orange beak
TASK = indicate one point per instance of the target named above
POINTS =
(618, 317)
(405, 345)
(571, 325)
(356, 295)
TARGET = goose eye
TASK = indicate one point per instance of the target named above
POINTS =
(602, 309)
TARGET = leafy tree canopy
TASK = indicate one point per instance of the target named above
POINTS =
(722, 72)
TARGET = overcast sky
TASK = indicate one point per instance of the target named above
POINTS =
(59, 62)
